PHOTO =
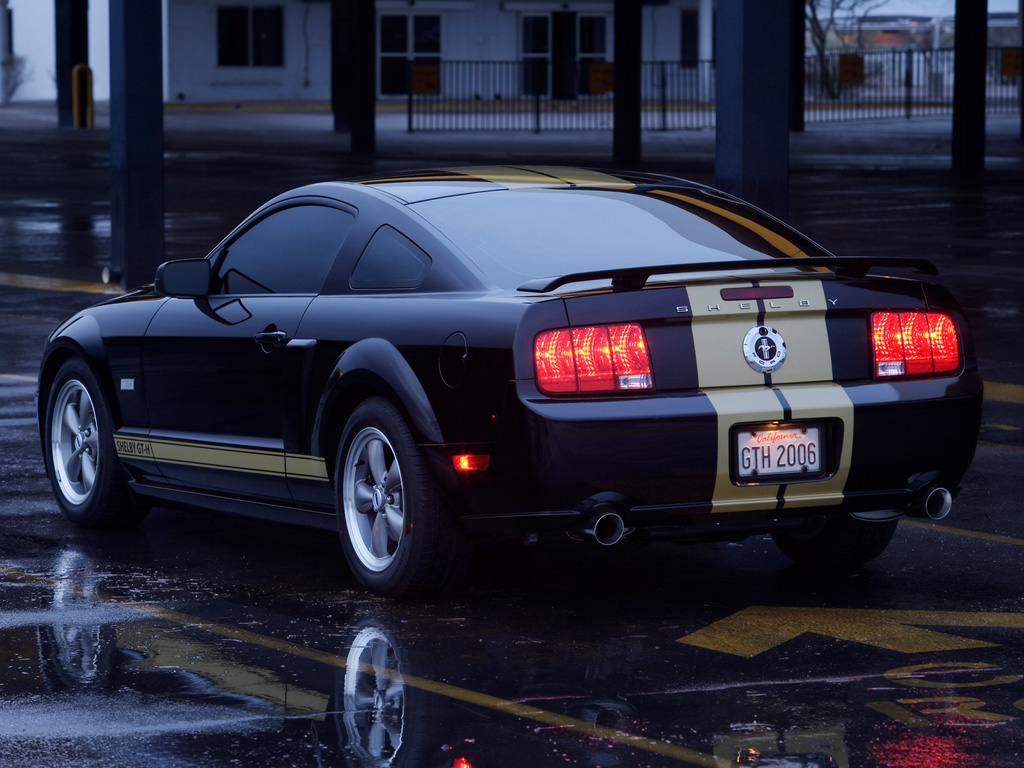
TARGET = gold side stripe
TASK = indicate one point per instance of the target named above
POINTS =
(228, 458)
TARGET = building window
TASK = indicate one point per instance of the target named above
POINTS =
(250, 36)
(535, 46)
(405, 38)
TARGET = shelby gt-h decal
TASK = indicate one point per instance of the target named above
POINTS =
(431, 361)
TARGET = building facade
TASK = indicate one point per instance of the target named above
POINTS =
(279, 50)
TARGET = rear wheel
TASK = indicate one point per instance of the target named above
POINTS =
(836, 541)
(398, 536)
(81, 461)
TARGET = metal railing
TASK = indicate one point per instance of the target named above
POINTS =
(537, 95)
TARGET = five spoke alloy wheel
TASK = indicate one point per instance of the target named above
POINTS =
(373, 499)
(399, 537)
(90, 484)
(74, 442)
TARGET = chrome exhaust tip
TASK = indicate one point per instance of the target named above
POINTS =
(605, 527)
(934, 502)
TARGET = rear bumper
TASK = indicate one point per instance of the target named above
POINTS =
(665, 461)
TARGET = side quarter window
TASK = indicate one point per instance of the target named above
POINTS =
(390, 261)
(289, 251)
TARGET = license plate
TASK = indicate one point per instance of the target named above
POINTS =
(770, 451)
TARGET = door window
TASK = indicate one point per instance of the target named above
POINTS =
(289, 251)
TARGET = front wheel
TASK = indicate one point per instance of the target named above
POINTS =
(81, 459)
(836, 541)
(399, 538)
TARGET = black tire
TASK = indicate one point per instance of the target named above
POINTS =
(398, 536)
(836, 541)
(81, 461)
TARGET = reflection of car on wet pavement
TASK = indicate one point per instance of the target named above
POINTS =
(426, 360)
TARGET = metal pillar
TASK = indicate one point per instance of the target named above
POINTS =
(797, 63)
(72, 26)
(136, 140)
(5, 48)
(706, 50)
(969, 89)
(752, 85)
(627, 134)
(354, 72)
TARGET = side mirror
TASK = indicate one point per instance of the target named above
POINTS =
(186, 278)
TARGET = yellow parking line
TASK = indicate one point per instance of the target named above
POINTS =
(963, 532)
(988, 444)
(13, 280)
(515, 709)
(1004, 393)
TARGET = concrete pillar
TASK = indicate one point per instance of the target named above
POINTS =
(627, 134)
(797, 64)
(136, 140)
(5, 52)
(354, 72)
(752, 84)
(971, 48)
(706, 48)
(71, 19)
(706, 30)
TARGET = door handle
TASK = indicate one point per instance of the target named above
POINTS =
(271, 339)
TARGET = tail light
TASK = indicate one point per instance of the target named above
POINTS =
(598, 358)
(914, 344)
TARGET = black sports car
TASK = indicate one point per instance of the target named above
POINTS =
(428, 360)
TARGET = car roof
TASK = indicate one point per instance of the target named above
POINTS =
(417, 186)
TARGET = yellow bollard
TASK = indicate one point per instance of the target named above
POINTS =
(82, 111)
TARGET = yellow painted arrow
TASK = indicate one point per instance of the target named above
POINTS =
(758, 629)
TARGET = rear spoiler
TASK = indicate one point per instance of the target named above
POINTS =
(634, 278)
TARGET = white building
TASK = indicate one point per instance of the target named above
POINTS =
(279, 50)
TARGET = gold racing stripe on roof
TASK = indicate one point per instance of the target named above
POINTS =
(515, 177)
(403, 179)
(544, 176)
(774, 239)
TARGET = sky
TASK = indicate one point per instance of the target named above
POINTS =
(940, 7)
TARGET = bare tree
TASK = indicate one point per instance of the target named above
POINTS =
(822, 17)
(14, 74)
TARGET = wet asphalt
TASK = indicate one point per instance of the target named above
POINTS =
(207, 640)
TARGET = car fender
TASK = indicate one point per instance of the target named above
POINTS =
(79, 337)
(371, 366)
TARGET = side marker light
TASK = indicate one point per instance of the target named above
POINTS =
(471, 462)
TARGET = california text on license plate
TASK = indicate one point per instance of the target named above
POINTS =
(768, 451)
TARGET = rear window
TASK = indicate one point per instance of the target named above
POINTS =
(514, 236)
